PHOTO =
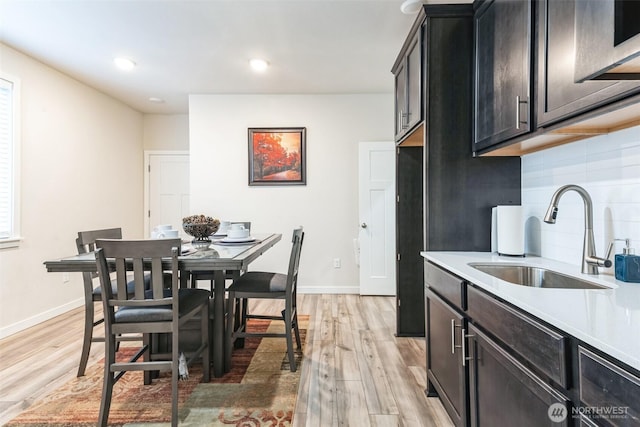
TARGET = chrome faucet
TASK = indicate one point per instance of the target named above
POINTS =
(590, 262)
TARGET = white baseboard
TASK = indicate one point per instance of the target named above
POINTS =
(34, 320)
(328, 289)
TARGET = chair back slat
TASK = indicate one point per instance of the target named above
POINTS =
(138, 278)
(157, 282)
(121, 280)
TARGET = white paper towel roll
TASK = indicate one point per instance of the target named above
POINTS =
(510, 230)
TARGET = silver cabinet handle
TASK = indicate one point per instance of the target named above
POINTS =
(464, 349)
(518, 102)
(453, 336)
(464, 336)
(401, 120)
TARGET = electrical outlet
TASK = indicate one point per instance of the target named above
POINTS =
(65, 277)
(337, 263)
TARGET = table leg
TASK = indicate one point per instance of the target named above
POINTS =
(219, 292)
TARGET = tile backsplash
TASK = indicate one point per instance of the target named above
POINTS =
(608, 167)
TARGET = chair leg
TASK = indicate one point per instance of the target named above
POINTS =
(88, 336)
(288, 326)
(229, 341)
(204, 336)
(108, 380)
(151, 342)
(175, 353)
(296, 330)
(243, 304)
(240, 319)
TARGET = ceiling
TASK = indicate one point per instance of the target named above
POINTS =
(203, 46)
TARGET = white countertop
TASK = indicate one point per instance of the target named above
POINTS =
(607, 319)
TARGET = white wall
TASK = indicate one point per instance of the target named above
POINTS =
(327, 206)
(166, 132)
(608, 167)
(81, 168)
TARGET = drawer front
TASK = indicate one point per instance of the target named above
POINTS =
(534, 342)
(608, 388)
(445, 284)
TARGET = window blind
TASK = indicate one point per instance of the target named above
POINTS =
(6, 158)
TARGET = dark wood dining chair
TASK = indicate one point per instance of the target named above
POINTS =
(267, 285)
(86, 242)
(152, 311)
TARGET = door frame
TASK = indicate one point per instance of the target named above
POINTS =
(147, 181)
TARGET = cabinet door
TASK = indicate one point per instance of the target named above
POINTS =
(503, 70)
(401, 99)
(409, 242)
(446, 372)
(414, 67)
(408, 89)
(505, 393)
(559, 96)
(608, 388)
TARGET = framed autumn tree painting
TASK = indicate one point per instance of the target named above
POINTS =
(277, 156)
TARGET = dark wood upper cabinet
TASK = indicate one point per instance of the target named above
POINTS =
(608, 39)
(530, 57)
(502, 71)
(407, 72)
(558, 95)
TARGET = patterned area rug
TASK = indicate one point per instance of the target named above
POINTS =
(260, 390)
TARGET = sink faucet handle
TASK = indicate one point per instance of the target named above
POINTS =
(626, 246)
(610, 248)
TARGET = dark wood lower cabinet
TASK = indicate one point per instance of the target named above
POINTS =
(503, 392)
(493, 364)
(446, 371)
(609, 395)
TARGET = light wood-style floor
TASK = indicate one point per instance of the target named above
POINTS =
(355, 371)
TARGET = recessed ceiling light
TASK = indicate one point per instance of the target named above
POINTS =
(124, 64)
(156, 100)
(258, 65)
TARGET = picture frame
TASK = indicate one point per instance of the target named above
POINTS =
(277, 156)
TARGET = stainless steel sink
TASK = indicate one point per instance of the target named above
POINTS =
(537, 277)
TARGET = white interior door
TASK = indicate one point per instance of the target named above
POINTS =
(377, 218)
(168, 184)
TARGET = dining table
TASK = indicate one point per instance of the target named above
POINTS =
(221, 258)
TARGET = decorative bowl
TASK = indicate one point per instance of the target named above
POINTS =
(200, 227)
